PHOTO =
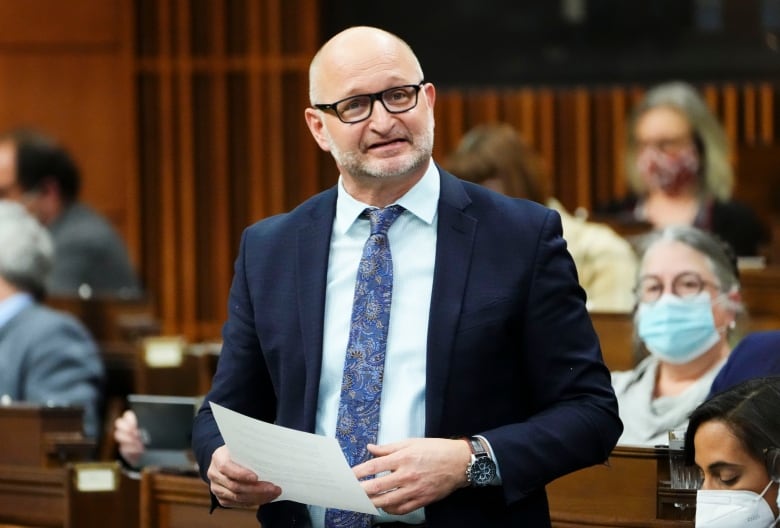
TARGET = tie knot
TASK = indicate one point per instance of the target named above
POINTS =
(382, 219)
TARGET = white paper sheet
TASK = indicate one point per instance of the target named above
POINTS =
(309, 468)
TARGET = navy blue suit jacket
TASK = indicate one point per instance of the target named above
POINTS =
(512, 354)
(755, 356)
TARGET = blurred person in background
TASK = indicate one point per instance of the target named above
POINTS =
(91, 258)
(679, 170)
(496, 156)
(46, 356)
(688, 297)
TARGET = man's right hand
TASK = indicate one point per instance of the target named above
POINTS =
(235, 486)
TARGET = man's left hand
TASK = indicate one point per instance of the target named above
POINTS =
(414, 473)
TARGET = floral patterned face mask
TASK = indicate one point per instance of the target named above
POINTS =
(671, 172)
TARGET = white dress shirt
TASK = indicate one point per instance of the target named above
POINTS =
(412, 239)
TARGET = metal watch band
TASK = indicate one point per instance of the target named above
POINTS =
(476, 446)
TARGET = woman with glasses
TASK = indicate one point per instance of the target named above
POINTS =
(677, 163)
(687, 304)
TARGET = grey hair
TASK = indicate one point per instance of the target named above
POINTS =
(720, 257)
(716, 173)
(27, 249)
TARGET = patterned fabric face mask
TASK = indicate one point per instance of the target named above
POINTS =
(670, 172)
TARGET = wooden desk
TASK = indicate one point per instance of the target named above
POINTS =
(761, 293)
(52, 498)
(632, 490)
(183, 501)
(181, 370)
(40, 436)
(32, 496)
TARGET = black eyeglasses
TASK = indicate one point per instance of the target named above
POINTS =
(686, 286)
(396, 100)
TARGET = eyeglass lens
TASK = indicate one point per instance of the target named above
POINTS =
(395, 100)
(684, 285)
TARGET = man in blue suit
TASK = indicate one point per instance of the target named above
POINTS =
(489, 340)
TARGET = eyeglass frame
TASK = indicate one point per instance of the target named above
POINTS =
(674, 289)
(667, 144)
(373, 98)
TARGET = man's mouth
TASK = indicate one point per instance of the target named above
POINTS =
(384, 144)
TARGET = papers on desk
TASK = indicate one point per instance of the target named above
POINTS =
(309, 468)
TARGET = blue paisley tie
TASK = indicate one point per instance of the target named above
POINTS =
(361, 386)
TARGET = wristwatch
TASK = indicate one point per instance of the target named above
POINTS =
(481, 470)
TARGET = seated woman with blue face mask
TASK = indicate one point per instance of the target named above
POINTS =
(734, 439)
(687, 303)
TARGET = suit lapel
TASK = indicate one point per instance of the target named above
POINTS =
(454, 246)
(312, 249)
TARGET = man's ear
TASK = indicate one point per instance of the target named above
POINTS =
(316, 127)
(430, 93)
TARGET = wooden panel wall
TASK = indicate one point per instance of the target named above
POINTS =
(580, 131)
(223, 142)
(66, 69)
(187, 118)
(222, 85)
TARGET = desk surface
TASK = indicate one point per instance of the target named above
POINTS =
(627, 491)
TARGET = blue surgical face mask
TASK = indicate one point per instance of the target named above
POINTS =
(678, 330)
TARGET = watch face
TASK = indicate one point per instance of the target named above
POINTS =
(483, 471)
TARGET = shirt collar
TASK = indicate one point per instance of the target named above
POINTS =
(14, 304)
(421, 200)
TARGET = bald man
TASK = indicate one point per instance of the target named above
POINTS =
(492, 381)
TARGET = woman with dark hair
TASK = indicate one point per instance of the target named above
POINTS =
(734, 439)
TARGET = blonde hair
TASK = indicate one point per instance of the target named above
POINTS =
(716, 176)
